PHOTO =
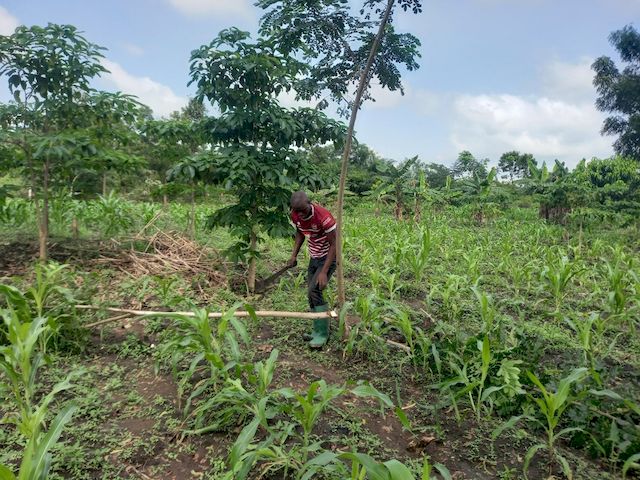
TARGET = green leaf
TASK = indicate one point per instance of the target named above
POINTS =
(403, 418)
(242, 442)
(506, 425)
(606, 393)
(375, 471)
(321, 460)
(632, 462)
(6, 474)
(566, 469)
(39, 462)
(444, 471)
(529, 456)
(366, 390)
(487, 393)
(398, 471)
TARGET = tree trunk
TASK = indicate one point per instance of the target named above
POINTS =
(364, 77)
(74, 228)
(398, 211)
(251, 278)
(165, 200)
(193, 212)
(43, 230)
(104, 183)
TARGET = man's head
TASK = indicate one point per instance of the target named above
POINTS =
(300, 203)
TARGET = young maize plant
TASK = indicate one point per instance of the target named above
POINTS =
(288, 446)
(20, 361)
(557, 275)
(551, 407)
(199, 345)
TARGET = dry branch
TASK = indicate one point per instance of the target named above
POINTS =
(109, 320)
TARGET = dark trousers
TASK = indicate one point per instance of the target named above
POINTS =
(315, 294)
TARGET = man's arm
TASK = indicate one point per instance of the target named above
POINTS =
(296, 248)
(331, 255)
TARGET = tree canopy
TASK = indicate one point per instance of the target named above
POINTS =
(619, 92)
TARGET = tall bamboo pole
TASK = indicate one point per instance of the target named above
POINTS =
(364, 77)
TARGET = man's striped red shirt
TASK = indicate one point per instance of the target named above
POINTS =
(315, 228)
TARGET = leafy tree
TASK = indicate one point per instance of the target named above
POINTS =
(515, 164)
(467, 165)
(176, 145)
(337, 43)
(436, 174)
(344, 51)
(615, 183)
(253, 137)
(556, 190)
(57, 123)
(619, 92)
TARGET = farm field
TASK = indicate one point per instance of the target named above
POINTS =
(453, 329)
(173, 207)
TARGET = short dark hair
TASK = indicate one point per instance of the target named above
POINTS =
(299, 200)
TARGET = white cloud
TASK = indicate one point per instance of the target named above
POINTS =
(8, 22)
(133, 49)
(569, 81)
(489, 125)
(195, 8)
(424, 101)
(159, 97)
(385, 98)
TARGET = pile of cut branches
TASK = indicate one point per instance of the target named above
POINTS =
(166, 253)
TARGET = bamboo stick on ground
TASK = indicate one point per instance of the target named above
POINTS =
(238, 313)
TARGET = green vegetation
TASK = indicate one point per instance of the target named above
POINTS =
(491, 328)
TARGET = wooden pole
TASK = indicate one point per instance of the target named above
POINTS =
(238, 313)
(364, 80)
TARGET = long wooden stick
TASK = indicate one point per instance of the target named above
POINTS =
(363, 82)
(238, 313)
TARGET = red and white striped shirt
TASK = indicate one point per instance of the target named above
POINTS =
(315, 227)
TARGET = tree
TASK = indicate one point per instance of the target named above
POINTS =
(614, 181)
(619, 92)
(253, 137)
(467, 165)
(344, 52)
(515, 164)
(436, 174)
(57, 123)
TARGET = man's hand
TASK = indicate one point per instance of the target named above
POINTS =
(322, 280)
(292, 262)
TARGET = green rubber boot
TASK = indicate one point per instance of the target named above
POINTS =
(320, 334)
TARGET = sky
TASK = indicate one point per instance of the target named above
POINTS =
(494, 76)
